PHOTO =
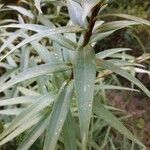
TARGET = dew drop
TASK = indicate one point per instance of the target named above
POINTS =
(90, 105)
(88, 86)
(31, 141)
(84, 88)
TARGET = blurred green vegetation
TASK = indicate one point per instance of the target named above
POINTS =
(136, 38)
(134, 7)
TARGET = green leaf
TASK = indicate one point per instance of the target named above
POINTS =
(131, 17)
(18, 100)
(107, 65)
(9, 41)
(109, 28)
(58, 115)
(112, 87)
(23, 127)
(28, 92)
(6, 21)
(75, 11)
(100, 36)
(105, 114)
(87, 6)
(25, 58)
(115, 25)
(84, 74)
(7, 75)
(46, 33)
(139, 70)
(34, 72)
(29, 112)
(121, 63)
(39, 28)
(32, 27)
(22, 10)
(15, 111)
(38, 5)
(69, 134)
(43, 52)
(6, 66)
(123, 56)
(109, 52)
(34, 134)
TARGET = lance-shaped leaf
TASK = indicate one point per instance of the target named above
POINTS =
(29, 112)
(109, 52)
(20, 129)
(69, 134)
(46, 33)
(100, 36)
(58, 115)
(107, 65)
(38, 5)
(34, 134)
(87, 6)
(84, 73)
(130, 17)
(18, 100)
(100, 110)
(107, 29)
(22, 10)
(34, 72)
(37, 28)
(115, 25)
(75, 11)
(15, 111)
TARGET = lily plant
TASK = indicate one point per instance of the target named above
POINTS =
(53, 81)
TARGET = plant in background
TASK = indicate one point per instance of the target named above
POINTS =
(53, 83)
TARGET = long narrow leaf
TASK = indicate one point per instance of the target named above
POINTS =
(34, 72)
(107, 65)
(23, 127)
(131, 17)
(69, 134)
(109, 52)
(115, 25)
(58, 116)
(105, 114)
(34, 134)
(84, 73)
(22, 11)
(18, 100)
(46, 33)
(32, 110)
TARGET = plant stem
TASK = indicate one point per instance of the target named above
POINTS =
(92, 21)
